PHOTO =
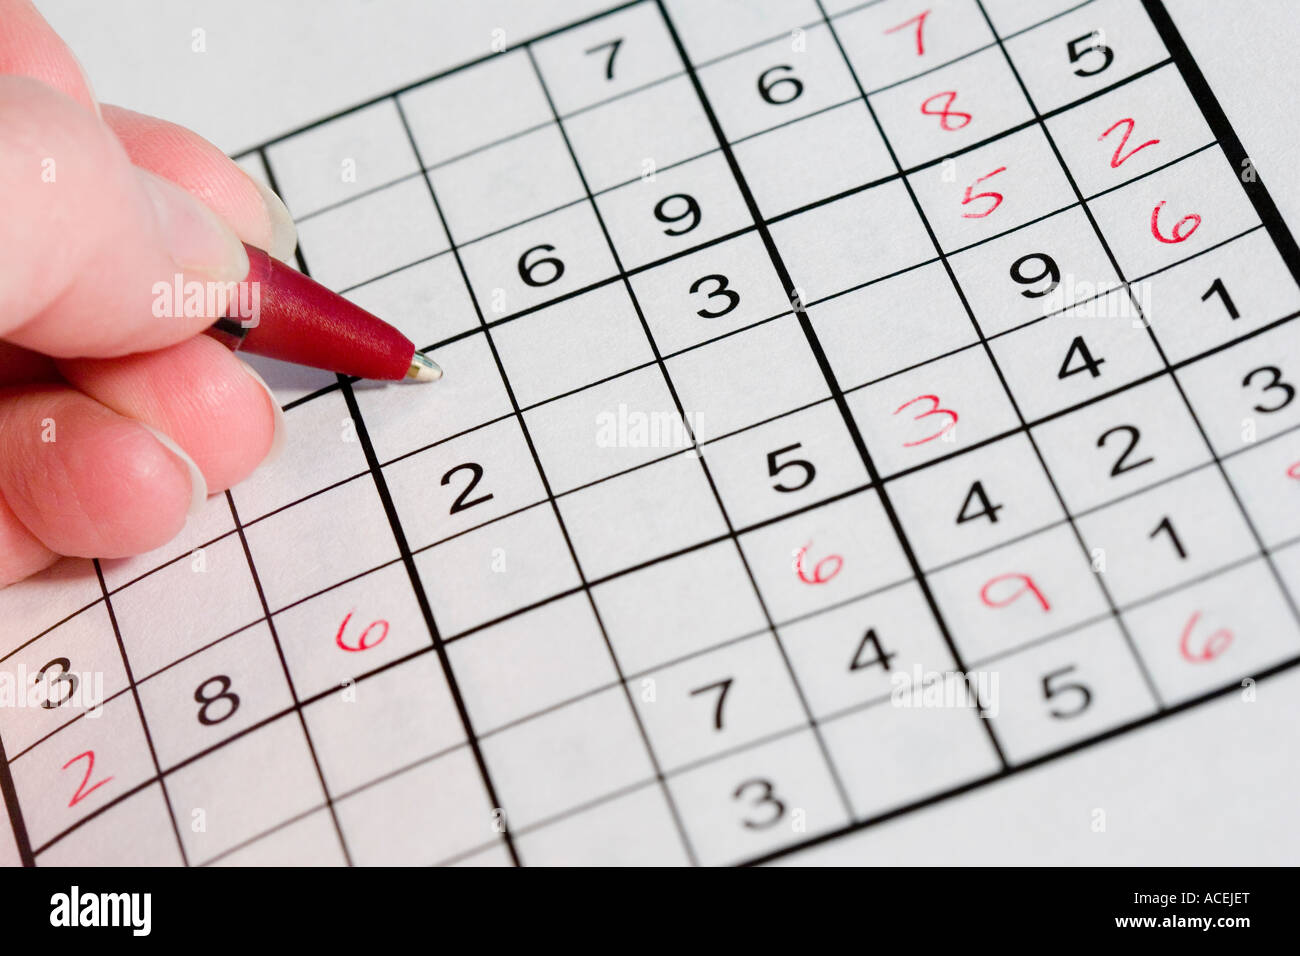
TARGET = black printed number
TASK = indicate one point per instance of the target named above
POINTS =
(790, 87)
(223, 701)
(1122, 464)
(475, 474)
(720, 291)
(690, 210)
(760, 794)
(805, 467)
(1078, 51)
(1025, 273)
(541, 271)
(69, 680)
(1079, 359)
(871, 640)
(1218, 288)
(1055, 689)
(1274, 384)
(612, 46)
(987, 509)
(721, 687)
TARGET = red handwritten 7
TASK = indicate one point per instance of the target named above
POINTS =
(919, 20)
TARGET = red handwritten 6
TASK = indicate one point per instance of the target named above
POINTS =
(1214, 645)
(933, 410)
(363, 643)
(1178, 234)
(819, 575)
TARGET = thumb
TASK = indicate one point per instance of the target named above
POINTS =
(88, 235)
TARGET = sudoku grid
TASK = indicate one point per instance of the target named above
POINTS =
(788, 350)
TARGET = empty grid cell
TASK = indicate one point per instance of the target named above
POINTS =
(707, 294)
(831, 554)
(383, 723)
(50, 596)
(932, 411)
(711, 30)
(814, 158)
(749, 803)
(892, 325)
(538, 261)
(309, 840)
(1034, 271)
(608, 428)
(853, 240)
(211, 696)
(472, 108)
(400, 420)
(320, 450)
(61, 676)
(358, 152)
(698, 599)
(1066, 690)
(352, 629)
(1213, 635)
(1166, 536)
(951, 109)
(1013, 16)
(890, 756)
(496, 570)
(567, 757)
(890, 42)
(426, 302)
(182, 607)
(717, 701)
(1086, 351)
(799, 74)
(861, 651)
(320, 542)
(243, 789)
(97, 842)
(1247, 393)
(1003, 599)
(545, 657)
(1120, 444)
(1174, 213)
(1266, 478)
(611, 56)
(1086, 50)
(464, 482)
(640, 135)
(746, 378)
(975, 501)
(372, 235)
(565, 347)
(82, 768)
(633, 830)
(1130, 131)
(1287, 563)
(437, 810)
(211, 522)
(688, 205)
(1213, 298)
(786, 464)
(992, 189)
(519, 179)
(641, 515)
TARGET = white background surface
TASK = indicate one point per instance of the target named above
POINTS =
(1213, 785)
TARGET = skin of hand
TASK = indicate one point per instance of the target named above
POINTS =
(115, 423)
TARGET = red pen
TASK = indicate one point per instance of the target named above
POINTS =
(281, 313)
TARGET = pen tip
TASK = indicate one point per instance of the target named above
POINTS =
(423, 369)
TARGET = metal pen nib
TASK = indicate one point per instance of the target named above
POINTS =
(423, 369)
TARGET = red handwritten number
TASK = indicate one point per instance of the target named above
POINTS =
(1178, 234)
(996, 197)
(363, 642)
(919, 20)
(947, 115)
(1027, 586)
(83, 791)
(1294, 471)
(1213, 646)
(819, 574)
(1117, 158)
(933, 410)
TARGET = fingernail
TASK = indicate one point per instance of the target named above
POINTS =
(85, 78)
(198, 484)
(284, 234)
(196, 238)
(278, 437)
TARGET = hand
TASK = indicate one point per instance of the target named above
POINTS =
(115, 422)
